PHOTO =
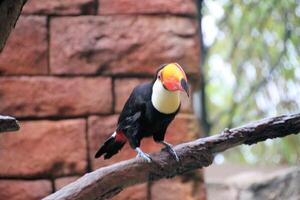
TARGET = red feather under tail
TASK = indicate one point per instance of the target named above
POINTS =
(112, 145)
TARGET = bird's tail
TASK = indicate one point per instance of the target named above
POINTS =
(112, 145)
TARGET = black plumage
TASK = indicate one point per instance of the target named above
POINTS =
(137, 120)
(140, 119)
(110, 148)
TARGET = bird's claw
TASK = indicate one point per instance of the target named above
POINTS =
(173, 153)
(170, 150)
(140, 154)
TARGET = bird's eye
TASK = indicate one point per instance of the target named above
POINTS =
(158, 76)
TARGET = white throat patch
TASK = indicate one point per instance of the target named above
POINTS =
(163, 100)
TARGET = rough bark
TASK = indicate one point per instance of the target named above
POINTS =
(9, 14)
(8, 124)
(108, 181)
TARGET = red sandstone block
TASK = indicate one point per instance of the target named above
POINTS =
(183, 128)
(59, 7)
(24, 190)
(184, 7)
(171, 189)
(99, 129)
(137, 192)
(43, 148)
(186, 103)
(122, 44)
(124, 87)
(61, 182)
(52, 96)
(26, 49)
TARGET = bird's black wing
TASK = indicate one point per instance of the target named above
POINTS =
(133, 111)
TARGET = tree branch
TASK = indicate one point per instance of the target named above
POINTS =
(109, 181)
(8, 124)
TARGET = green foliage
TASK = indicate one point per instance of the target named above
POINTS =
(252, 70)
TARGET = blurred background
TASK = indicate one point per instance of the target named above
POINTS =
(69, 66)
(251, 69)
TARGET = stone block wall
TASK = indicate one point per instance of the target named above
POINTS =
(65, 73)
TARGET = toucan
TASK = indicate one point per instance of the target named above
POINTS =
(149, 110)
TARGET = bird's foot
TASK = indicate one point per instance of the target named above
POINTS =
(140, 154)
(169, 148)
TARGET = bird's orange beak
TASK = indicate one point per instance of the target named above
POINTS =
(174, 78)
